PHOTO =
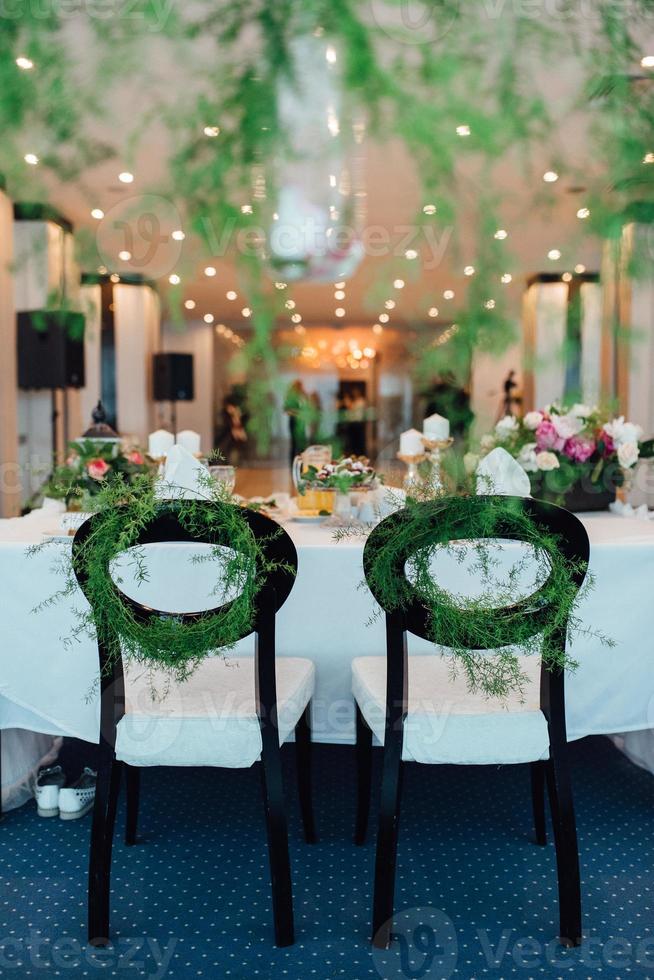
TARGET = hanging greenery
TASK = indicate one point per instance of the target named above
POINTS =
(122, 511)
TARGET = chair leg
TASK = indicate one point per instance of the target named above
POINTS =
(565, 840)
(364, 776)
(133, 788)
(102, 832)
(537, 771)
(280, 865)
(385, 862)
(303, 761)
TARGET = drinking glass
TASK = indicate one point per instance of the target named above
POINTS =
(225, 475)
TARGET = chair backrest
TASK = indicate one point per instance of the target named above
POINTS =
(533, 611)
(277, 550)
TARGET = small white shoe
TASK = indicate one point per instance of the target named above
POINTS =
(48, 786)
(75, 801)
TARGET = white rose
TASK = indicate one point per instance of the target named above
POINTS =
(627, 454)
(527, 457)
(567, 425)
(532, 420)
(547, 461)
(623, 432)
(581, 411)
(506, 426)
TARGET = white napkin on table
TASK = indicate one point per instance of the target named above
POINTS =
(500, 473)
(184, 477)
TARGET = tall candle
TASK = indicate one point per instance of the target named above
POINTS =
(189, 440)
(436, 427)
(411, 443)
(160, 443)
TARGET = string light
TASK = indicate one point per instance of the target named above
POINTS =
(246, 209)
(31, 158)
(174, 279)
(583, 213)
(211, 131)
(501, 234)
(246, 311)
(567, 277)
(25, 64)
(410, 254)
(210, 271)
(377, 328)
(189, 304)
(97, 213)
(398, 283)
(506, 278)
(550, 176)
(490, 304)
(648, 158)
(208, 317)
(448, 294)
(114, 277)
(469, 270)
(339, 294)
(339, 311)
(280, 285)
(339, 285)
(463, 130)
(647, 61)
(554, 254)
(432, 311)
(390, 304)
(384, 318)
(296, 318)
(126, 177)
(290, 304)
(124, 256)
(580, 268)
(178, 235)
(429, 209)
(230, 294)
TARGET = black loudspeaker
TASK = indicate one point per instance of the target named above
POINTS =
(173, 377)
(50, 349)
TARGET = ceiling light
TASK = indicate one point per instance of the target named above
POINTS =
(230, 294)
(211, 131)
(280, 285)
(189, 304)
(506, 278)
(448, 294)
(410, 254)
(490, 304)
(463, 130)
(102, 269)
(377, 328)
(290, 304)
(124, 256)
(580, 268)
(126, 177)
(246, 209)
(210, 271)
(501, 234)
(567, 277)
(174, 279)
(301, 330)
(429, 209)
(31, 158)
(208, 317)
(390, 304)
(398, 283)
(296, 318)
(550, 176)
(554, 254)
(246, 311)
(26, 64)
(583, 213)
(339, 285)
(339, 294)
(432, 311)
(179, 235)
(339, 311)
(97, 213)
(330, 54)
(648, 158)
(469, 270)
(647, 61)
(114, 277)
(384, 318)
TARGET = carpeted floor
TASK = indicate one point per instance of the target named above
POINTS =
(475, 898)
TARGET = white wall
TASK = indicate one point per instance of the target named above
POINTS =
(137, 327)
(9, 474)
(195, 338)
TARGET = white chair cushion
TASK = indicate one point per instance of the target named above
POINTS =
(210, 719)
(446, 723)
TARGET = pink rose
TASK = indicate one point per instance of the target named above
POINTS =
(579, 448)
(136, 458)
(609, 445)
(97, 468)
(548, 438)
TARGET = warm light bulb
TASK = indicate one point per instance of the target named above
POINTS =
(339, 294)
(583, 213)
(390, 304)
(339, 285)
(432, 311)
(189, 304)
(469, 270)
(211, 131)
(246, 311)
(296, 318)
(124, 256)
(429, 209)
(501, 234)
(506, 278)
(246, 209)
(550, 176)
(330, 54)
(567, 277)
(230, 294)
(377, 328)
(280, 285)
(410, 254)
(31, 158)
(490, 304)
(648, 158)
(114, 277)
(126, 177)
(339, 311)
(174, 279)
(463, 130)
(290, 304)
(580, 268)
(448, 294)
(26, 64)
(210, 271)
(97, 213)
(178, 235)
(208, 317)
(647, 61)
(398, 283)
(554, 254)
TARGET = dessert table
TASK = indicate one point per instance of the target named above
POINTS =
(48, 685)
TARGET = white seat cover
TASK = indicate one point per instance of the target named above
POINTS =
(446, 723)
(209, 720)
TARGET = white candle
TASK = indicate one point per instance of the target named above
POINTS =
(189, 440)
(436, 427)
(411, 443)
(160, 443)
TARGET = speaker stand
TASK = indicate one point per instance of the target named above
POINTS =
(173, 417)
(55, 428)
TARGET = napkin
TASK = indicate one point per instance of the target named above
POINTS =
(500, 473)
(627, 510)
(184, 477)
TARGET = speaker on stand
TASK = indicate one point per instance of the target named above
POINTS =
(173, 381)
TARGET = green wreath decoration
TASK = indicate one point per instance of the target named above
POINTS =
(121, 512)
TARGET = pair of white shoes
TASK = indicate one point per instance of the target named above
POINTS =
(54, 799)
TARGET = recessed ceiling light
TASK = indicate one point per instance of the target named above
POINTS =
(189, 304)
(550, 176)
(208, 317)
(339, 311)
(246, 311)
(31, 158)
(384, 318)
(648, 158)
(339, 294)
(432, 311)
(580, 268)
(429, 209)
(490, 304)
(645, 62)
(390, 304)
(179, 235)
(583, 213)
(469, 270)
(296, 318)
(463, 130)
(290, 304)
(210, 271)
(211, 131)
(174, 279)
(398, 283)
(501, 234)
(124, 256)
(102, 269)
(126, 177)
(410, 254)
(280, 285)
(246, 209)
(230, 294)
(26, 64)
(506, 278)
(114, 277)
(377, 328)
(567, 277)
(554, 254)
(339, 285)
(97, 213)
(448, 294)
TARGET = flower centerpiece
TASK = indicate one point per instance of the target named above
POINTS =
(318, 486)
(575, 455)
(89, 466)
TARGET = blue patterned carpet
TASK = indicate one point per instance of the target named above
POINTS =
(475, 897)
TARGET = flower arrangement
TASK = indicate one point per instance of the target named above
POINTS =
(343, 475)
(572, 453)
(89, 465)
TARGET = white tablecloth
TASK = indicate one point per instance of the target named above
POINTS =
(45, 686)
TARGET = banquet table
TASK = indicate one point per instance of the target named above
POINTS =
(48, 685)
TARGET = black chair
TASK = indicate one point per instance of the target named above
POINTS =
(381, 688)
(268, 675)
